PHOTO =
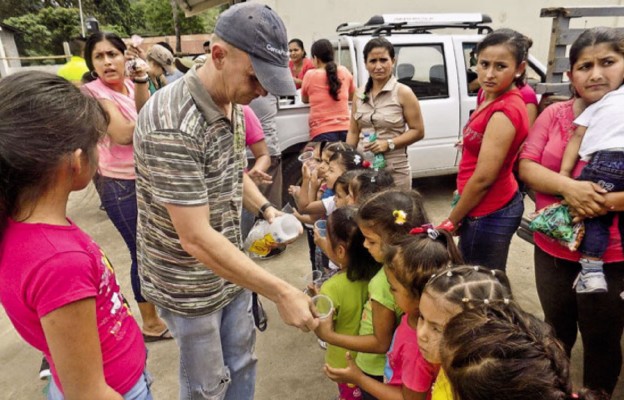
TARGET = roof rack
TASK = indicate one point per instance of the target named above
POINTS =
(388, 24)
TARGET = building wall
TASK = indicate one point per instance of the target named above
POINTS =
(312, 20)
(10, 49)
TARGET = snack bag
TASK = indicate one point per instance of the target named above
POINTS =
(555, 221)
(259, 242)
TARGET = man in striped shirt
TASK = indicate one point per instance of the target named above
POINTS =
(190, 154)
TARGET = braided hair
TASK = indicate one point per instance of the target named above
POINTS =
(324, 51)
(498, 351)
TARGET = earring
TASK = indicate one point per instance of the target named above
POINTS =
(94, 75)
(517, 76)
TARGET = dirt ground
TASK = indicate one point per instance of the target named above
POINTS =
(290, 361)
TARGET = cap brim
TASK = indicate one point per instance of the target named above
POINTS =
(274, 79)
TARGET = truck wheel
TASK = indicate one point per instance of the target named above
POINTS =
(291, 175)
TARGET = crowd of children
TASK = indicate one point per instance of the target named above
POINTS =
(413, 317)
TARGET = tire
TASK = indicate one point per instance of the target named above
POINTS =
(291, 175)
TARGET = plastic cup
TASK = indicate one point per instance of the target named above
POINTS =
(306, 156)
(321, 226)
(323, 305)
(285, 228)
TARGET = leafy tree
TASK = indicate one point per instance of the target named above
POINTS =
(45, 31)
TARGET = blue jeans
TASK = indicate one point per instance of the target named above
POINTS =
(338, 136)
(118, 196)
(606, 168)
(216, 351)
(485, 240)
(140, 390)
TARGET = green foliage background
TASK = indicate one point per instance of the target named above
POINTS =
(45, 24)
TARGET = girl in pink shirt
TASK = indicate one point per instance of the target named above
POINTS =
(56, 285)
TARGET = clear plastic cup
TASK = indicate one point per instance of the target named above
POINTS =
(312, 282)
(323, 305)
(306, 156)
(321, 226)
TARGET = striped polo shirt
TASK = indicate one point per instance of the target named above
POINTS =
(187, 153)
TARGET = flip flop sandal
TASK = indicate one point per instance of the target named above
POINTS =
(164, 335)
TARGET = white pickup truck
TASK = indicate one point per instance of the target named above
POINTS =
(433, 58)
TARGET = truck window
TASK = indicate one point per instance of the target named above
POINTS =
(423, 69)
(342, 57)
(470, 61)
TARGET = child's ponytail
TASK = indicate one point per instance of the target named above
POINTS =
(421, 254)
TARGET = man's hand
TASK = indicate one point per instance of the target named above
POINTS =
(351, 374)
(295, 309)
(259, 177)
(271, 213)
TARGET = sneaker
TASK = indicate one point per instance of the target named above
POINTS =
(322, 344)
(590, 282)
(44, 370)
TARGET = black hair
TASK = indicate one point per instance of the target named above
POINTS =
(43, 119)
(98, 37)
(345, 179)
(299, 44)
(168, 47)
(377, 213)
(342, 229)
(324, 51)
(370, 182)
(517, 43)
(416, 257)
(595, 36)
(498, 351)
(378, 42)
(349, 159)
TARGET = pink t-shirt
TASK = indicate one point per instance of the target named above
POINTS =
(115, 160)
(545, 145)
(327, 114)
(308, 65)
(253, 127)
(45, 267)
(405, 364)
(505, 186)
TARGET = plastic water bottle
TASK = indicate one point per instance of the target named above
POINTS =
(368, 155)
(379, 161)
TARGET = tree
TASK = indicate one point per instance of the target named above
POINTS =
(45, 31)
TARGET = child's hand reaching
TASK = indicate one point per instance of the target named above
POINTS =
(351, 374)
(325, 328)
(294, 190)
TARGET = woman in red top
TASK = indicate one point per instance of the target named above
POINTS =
(299, 64)
(490, 206)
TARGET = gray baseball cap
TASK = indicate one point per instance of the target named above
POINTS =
(257, 30)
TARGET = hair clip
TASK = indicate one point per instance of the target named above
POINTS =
(433, 233)
(476, 268)
(373, 180)
(465, 300)
(357, 159)
(486, 301)
(400, 217)
(506, 301)
(449, 273)
(493, 272)
(421, 229)
(366, 164)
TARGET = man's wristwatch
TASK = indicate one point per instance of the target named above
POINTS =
(263, 208)
(391, 145)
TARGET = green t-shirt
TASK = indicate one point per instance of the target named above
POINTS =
(348, 298)
(378, 290)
